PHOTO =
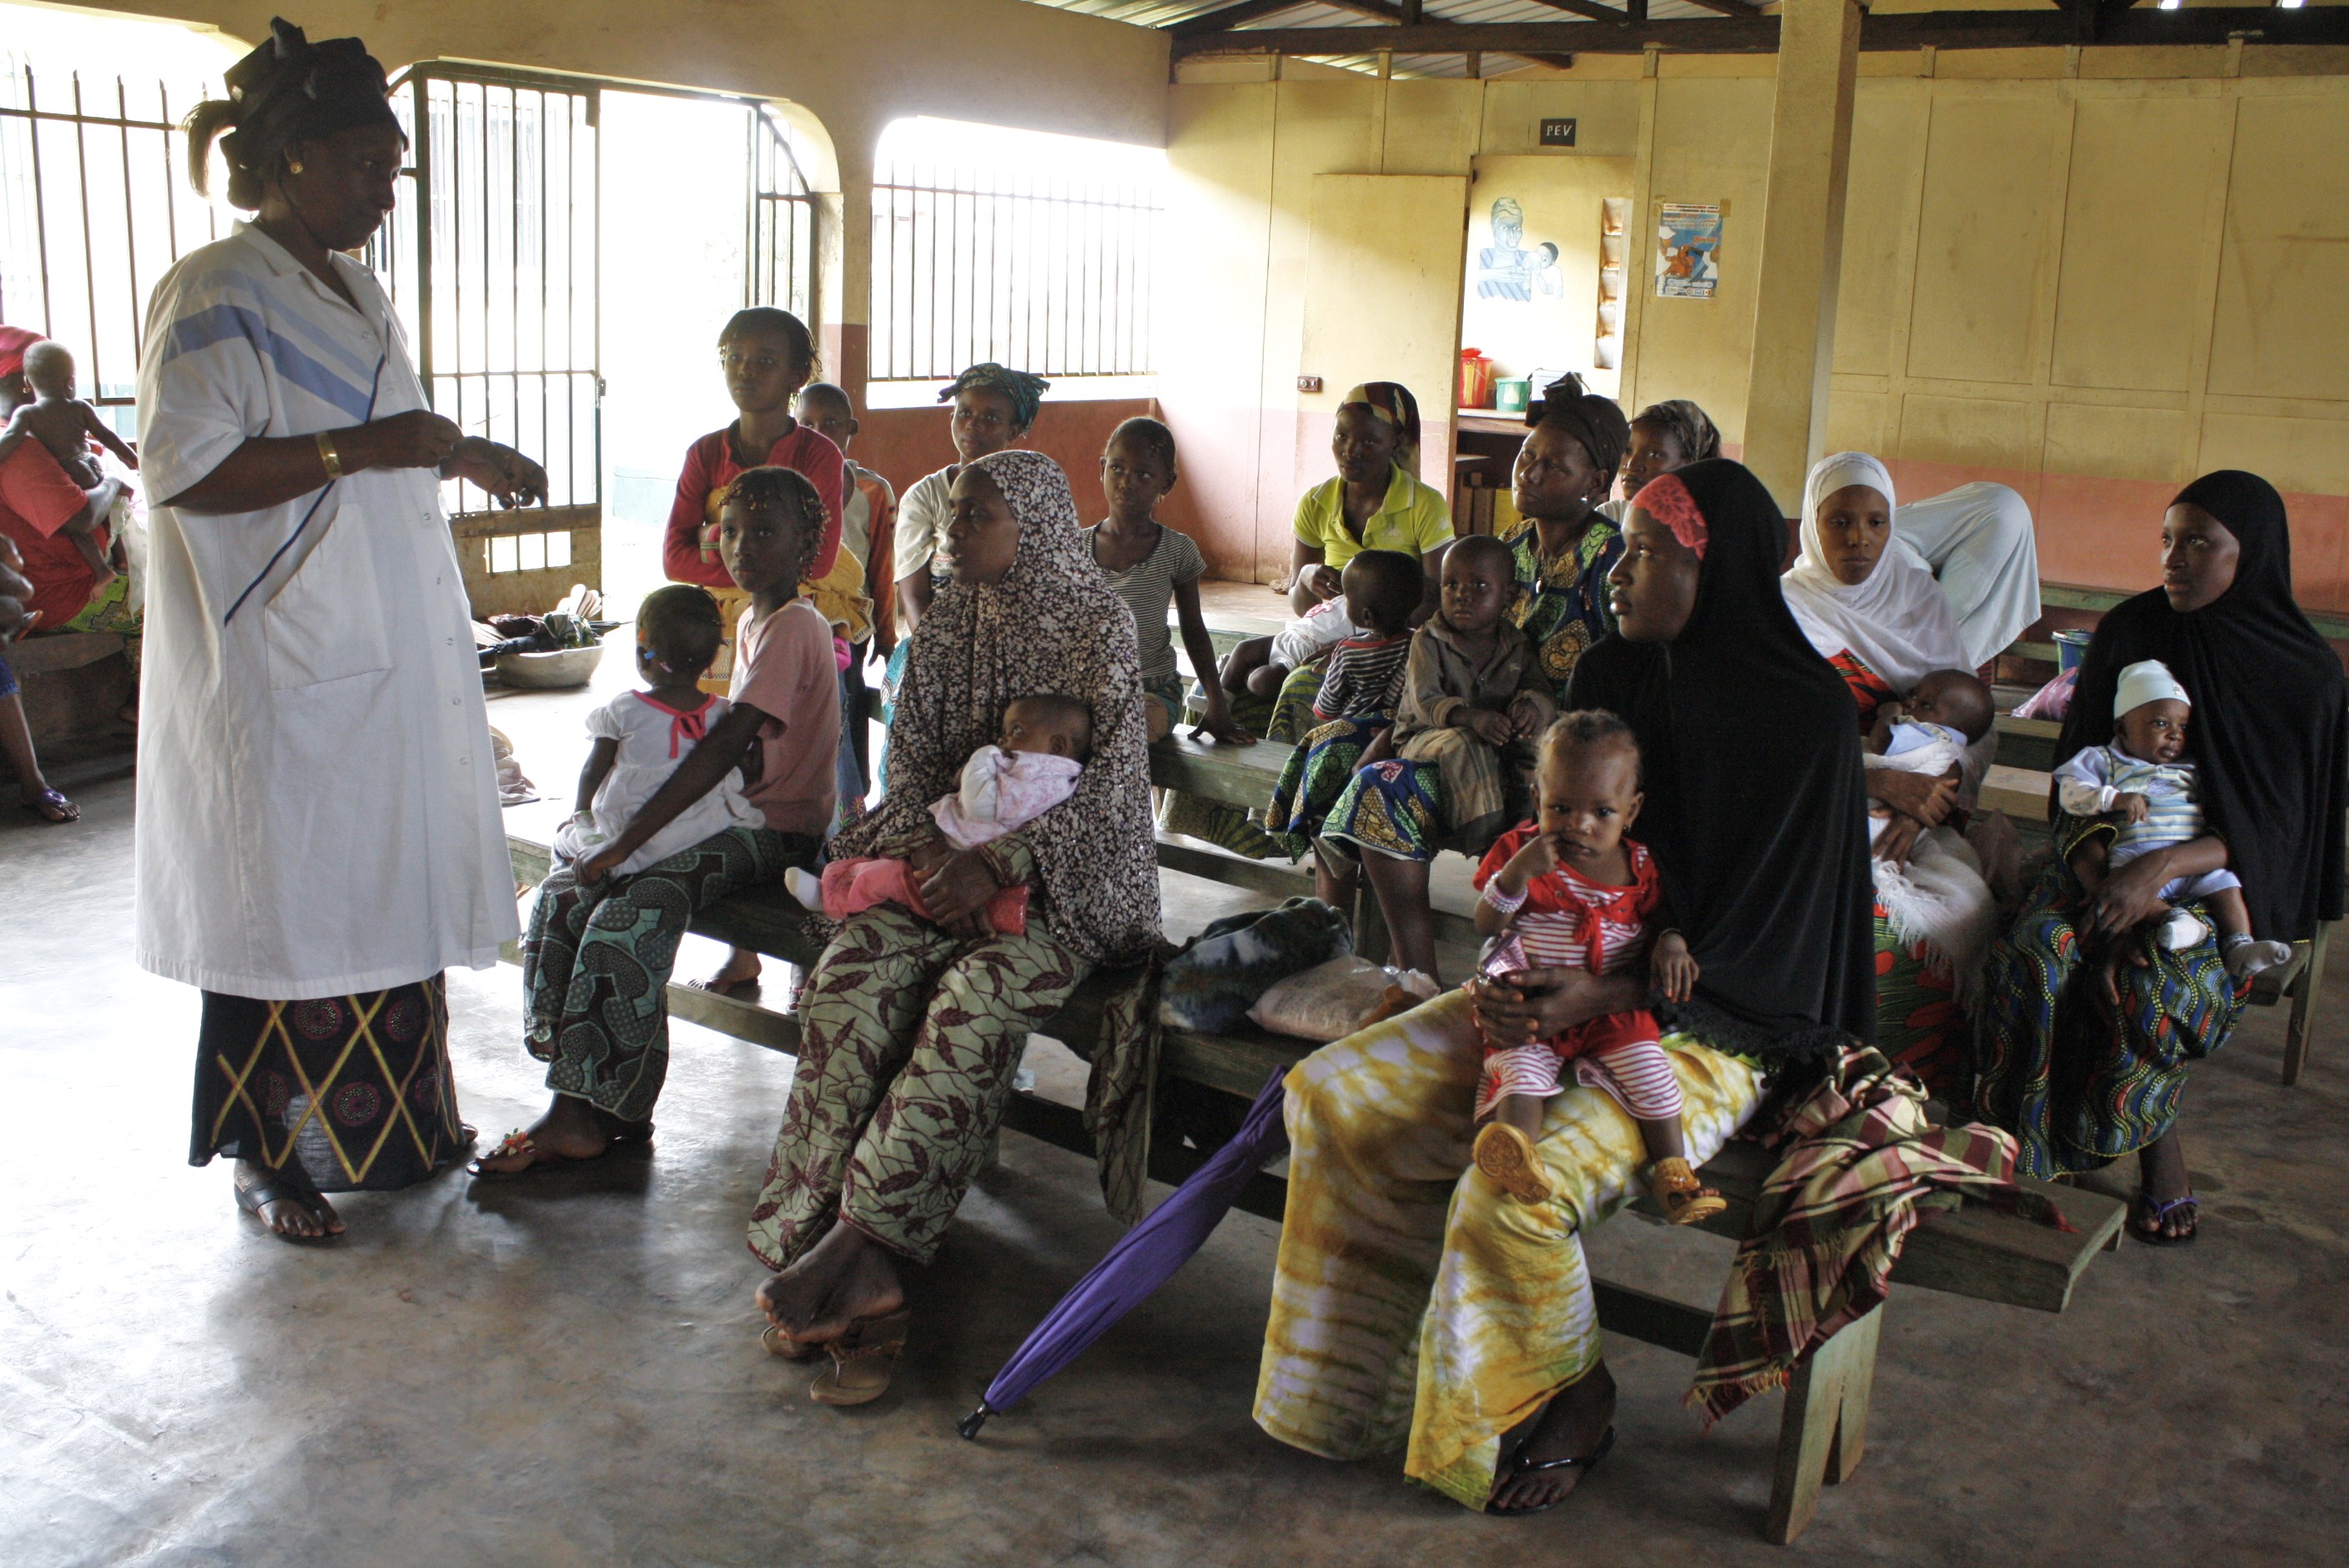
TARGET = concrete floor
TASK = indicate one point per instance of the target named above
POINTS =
(566, 1371)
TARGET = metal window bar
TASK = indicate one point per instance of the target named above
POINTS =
(95, 207)
(1050, 272)
(781, 244)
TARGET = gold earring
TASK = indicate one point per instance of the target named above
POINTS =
(293, 166)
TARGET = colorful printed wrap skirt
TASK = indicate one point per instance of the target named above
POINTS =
(2079, 1088)
(1316, 774)
(1917, 1024)
(1283, 718)
(354, 1091)
(1414, 1304)
(595, 962)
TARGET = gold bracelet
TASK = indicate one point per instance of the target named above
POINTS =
(329, 455)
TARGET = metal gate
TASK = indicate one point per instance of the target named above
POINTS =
(94, 209)
(491, 261)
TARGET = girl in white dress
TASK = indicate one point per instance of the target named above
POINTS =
(641, 736)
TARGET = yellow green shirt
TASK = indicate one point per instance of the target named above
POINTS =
(1415, 519)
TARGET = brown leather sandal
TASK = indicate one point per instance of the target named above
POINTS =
(778, 1342)
(1684, 1200)
(862, 1360)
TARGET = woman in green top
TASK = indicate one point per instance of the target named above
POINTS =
(1376, 501)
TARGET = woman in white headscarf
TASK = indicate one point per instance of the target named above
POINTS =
(1874, 612)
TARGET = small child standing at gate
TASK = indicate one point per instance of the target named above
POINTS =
(2142, 783)
(65, 425)
(1031, 767)
(640, 736)
(1567, 889)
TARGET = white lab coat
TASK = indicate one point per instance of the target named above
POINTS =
(318, 809)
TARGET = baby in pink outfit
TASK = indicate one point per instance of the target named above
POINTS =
(1031, 767)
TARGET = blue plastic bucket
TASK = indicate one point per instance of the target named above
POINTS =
(2071, 647)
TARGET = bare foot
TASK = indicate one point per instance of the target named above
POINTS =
(303, 1216)
(841, 1279)
(571, 1130)
(1573, 1424)
(741, 969)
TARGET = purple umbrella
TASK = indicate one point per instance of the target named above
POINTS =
(1143, 1259)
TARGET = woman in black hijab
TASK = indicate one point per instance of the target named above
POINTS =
(2092, 1023)
(1417, 1303)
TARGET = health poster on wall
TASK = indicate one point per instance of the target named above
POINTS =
(1688, 247)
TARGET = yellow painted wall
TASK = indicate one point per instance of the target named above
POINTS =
(2091, 277)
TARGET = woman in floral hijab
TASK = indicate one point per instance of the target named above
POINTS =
(911, 1028)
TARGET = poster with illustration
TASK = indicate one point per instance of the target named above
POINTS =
(1688, 246)
(1506, 270)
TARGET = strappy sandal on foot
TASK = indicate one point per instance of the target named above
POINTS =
(51, 806)
(1684, 1200)
(1508, 1155)
(778, 1342)
(2158, 1212)
(279, 1190)
(1520, 1465)
(862, 1360)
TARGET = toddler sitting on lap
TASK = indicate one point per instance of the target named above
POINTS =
(1031, 768)
(641, 736)
(2142, 783)
(1568, 890)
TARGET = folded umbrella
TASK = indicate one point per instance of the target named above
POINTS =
(1143, 1259)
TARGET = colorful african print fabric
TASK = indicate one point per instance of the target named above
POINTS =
(1869, 690)
(112, 612)
(1858, 1166)
(2078, 1088)
(1395, 806)
(1414, 1304)
(1917, 1024)
(596, 960)
(353, 1090)
(1564, 606)
(908, 1041)
(1315, 775)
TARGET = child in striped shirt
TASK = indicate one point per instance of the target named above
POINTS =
(2142, 785)
(1568, 891)
(1365, 677)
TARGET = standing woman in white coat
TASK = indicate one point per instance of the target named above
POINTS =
(317, 828)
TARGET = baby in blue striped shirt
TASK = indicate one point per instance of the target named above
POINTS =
(2142, 785)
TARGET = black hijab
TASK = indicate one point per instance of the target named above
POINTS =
(2267, 733)
(1756, 804)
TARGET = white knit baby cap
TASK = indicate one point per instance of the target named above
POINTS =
(2147, 680)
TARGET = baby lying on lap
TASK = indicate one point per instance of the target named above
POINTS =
(1930, 732)
(1031, 767)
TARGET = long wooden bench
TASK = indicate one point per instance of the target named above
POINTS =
(1972, 1251)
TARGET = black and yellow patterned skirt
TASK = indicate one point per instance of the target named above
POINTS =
(355, 1090)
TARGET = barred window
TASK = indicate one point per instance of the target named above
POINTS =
(1032, 250)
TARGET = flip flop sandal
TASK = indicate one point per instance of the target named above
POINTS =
(1520, 1465)
(253, 1200)
(862, 1360)
(733, 989)
(47, 804)
(778, 1343)
(2158, 1212)
(1684, 1200)
(1506, 1155)
(519, 1143)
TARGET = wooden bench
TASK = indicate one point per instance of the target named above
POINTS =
(1972, 1251)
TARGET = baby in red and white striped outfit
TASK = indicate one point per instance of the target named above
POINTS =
(1568, 891)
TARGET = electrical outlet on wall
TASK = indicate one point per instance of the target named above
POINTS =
(1308, 384)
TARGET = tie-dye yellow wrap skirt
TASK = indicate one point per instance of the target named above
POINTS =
(1414, 1302)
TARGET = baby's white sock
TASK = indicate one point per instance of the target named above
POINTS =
(806, 886)
(2245, 956)
(2182, 930)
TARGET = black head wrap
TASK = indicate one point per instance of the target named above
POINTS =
(1597, 422)
(1026, 391)
(2267, 732)
(1756, 802)
(287, 91)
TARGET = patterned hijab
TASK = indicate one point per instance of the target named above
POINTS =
(1053, 624)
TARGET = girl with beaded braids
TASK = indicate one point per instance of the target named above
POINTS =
(317, 820)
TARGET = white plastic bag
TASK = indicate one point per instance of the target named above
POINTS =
(1330, 1001)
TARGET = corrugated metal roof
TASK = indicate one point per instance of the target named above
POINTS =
(1310, 14)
